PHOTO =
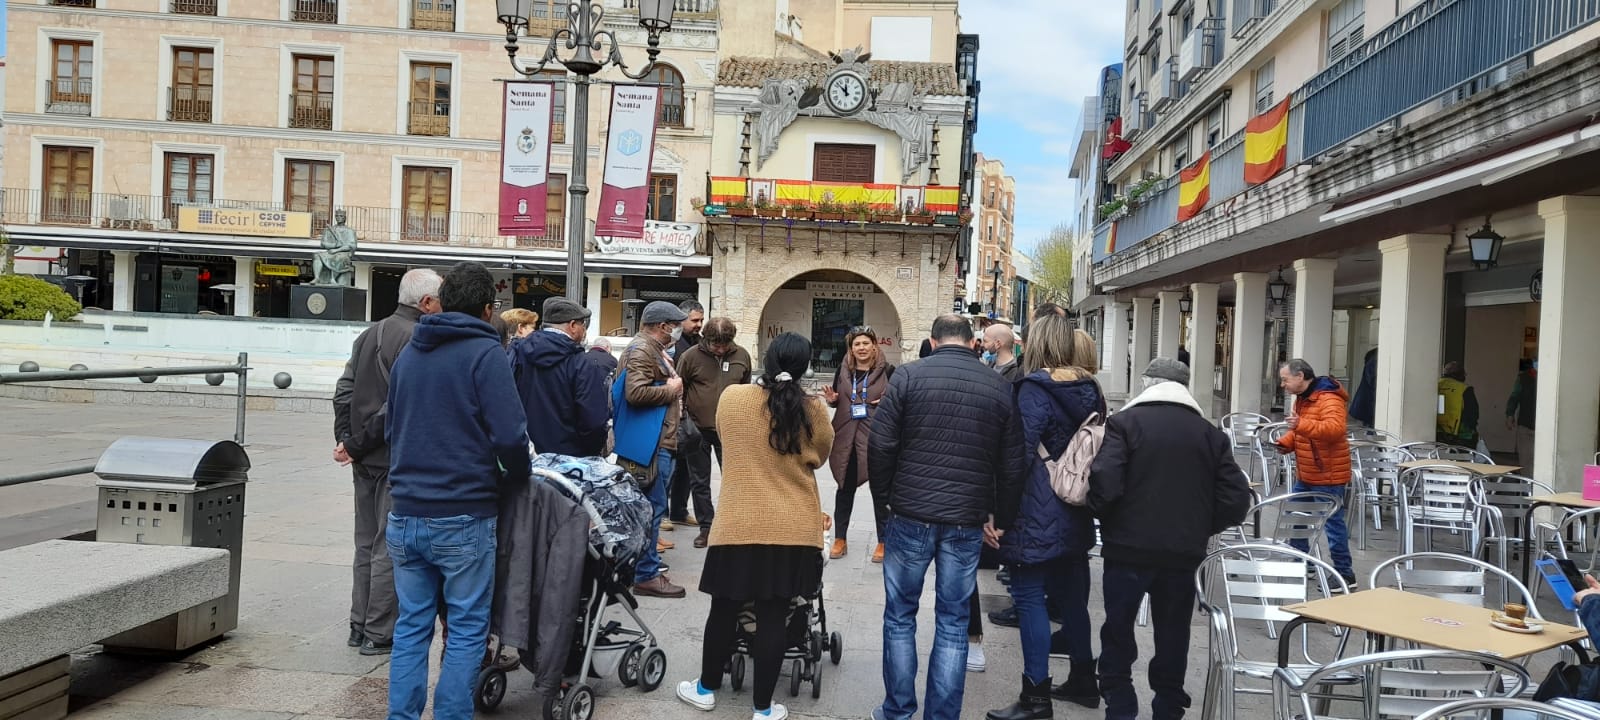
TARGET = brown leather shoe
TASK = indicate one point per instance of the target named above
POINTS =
(660, 587)
(840, 549)
(665, 545)
(703, 538)
(877, 554)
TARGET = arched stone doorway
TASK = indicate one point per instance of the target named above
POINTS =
(824, 305)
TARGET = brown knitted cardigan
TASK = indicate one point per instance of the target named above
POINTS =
(767, 498)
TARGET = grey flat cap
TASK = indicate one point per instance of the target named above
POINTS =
(662, 311)
(560, 311)
(1168, 369)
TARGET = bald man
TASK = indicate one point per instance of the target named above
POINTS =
(999, 340)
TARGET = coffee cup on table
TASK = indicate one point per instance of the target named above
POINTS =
(1516, 611)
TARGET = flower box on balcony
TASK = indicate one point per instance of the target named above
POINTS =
(829, 216)
(796, 213)
(885, 217)
(920, 219)
(734, 211)
(770, 212)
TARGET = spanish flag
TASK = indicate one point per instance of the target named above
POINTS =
(729, 189)
(1194, 188)
(1266, 144)
(1111, 240)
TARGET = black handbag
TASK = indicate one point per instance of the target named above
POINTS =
(1579, 682)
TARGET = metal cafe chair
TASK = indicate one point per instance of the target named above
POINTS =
(1241, 429)
(1377, 468)
(1438, 497)
(1372, 435)
(1461, 579)
(1277, 469)
(1401, 683)
(1572, 525)
(1478, 708)
(1504, 501)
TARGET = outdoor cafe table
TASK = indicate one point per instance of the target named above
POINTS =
(1571, 500)
(1479, 468)
(1390, 613)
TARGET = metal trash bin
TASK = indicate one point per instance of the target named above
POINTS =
(159, 491)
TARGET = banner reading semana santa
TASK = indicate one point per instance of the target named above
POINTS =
(525, 157)
(625, 194)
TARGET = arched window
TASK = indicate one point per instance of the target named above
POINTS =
(671, 111)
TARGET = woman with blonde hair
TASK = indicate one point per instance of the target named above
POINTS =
(1045, 537)
(862, 380)
(521, 322)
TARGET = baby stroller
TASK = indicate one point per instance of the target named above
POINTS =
(808, 638)
(618, 515)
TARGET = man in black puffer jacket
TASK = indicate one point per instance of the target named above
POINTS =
(946, 441)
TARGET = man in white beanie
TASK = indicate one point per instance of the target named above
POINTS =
(1162, 484)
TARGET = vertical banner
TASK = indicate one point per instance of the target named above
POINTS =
(625, 195)
(525, 157)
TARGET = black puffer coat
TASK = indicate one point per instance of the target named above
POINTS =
(1045, 527)
(946, 439)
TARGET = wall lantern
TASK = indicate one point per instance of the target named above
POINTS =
(1186, 303)
(1485, 246)
(1278, 289)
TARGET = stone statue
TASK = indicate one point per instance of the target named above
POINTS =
(335, 265)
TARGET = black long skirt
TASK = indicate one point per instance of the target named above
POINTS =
(761, 572)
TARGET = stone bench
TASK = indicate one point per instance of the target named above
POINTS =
(58, 596)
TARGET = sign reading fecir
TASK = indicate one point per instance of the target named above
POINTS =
(266, 223)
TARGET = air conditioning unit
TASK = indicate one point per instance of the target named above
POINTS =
(1247, 14)
(1200, 51)
(1133, 120)
(1164, 86)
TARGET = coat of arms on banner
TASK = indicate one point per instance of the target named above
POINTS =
(526, 142)
(630, 143)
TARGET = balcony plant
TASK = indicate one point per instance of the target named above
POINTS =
(860, 211)
(1140, 191)
(828, 210)
(1114, 208)
(918, 215)
(765, 208)
(741, 208)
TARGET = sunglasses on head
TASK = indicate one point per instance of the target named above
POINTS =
(862, 330)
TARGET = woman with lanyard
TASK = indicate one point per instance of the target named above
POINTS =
(860, 383)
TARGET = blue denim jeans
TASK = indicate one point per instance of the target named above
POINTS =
(910, 546)
(1029, 586)
(650, 561)
(1171, 606)
(1336, 531)
(439, 558)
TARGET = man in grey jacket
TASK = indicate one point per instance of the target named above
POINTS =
(358, 420)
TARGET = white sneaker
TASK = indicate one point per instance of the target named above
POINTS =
(976, 662)
(776, 712)
(690, 692)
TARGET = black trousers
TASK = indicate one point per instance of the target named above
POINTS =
(772, 620)
(692, 478)
(1171, 607)
(844, 501)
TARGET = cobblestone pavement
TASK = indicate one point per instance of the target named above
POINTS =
(288, 658)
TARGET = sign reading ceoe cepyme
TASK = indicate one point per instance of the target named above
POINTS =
(268, 223)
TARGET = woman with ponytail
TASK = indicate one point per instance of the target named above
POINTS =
(766, 546)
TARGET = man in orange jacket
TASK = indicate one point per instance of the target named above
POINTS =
(1317, 437)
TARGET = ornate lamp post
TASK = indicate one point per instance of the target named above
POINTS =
(994, 295)
(583, 36)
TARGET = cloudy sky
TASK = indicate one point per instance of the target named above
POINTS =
(1037, 60)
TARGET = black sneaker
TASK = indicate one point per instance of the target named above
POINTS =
(374, 648)
(1349, 580)
(357, 636)
(1005, 618)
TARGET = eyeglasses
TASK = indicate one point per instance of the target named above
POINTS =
(498, 304)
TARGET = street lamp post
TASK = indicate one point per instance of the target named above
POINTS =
(584, 36)
(994, 295)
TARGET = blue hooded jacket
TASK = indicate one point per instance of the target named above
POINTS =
(455, 426)
(1045, 527)
(564, 394)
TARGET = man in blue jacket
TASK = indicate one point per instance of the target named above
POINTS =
(456, 432)
(564, 393)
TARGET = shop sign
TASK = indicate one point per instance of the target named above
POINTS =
(840, 291)
(660, 238)
(278, 270)
(267, 223)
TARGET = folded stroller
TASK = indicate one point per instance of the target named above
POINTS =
(595, 647)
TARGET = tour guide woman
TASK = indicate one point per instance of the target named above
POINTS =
(860, 384)
(766, 546)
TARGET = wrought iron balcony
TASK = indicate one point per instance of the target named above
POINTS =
(194, 7)
(69, 97)
(429, 117)
(73, 3)
(437, 15)
(313, 111)
(680, 6)
(189, 104)
(316, 11)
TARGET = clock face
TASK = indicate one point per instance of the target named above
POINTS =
(846, 93)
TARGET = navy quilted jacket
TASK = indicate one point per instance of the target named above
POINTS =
(1046, 528)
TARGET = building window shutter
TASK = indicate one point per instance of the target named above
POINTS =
(844, 163)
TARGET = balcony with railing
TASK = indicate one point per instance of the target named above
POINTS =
(311, 111)
(429, 117)
(189, 104)
(437, 15)
(73, 3)
(547, 17)
(858, 203)
(680, 7)
(316, 11)
(67, 96)
(194, 7)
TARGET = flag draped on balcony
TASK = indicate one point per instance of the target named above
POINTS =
(728, 189)
(1194, 188)
(1111, 239)
(1115, 144)
(1266, 144)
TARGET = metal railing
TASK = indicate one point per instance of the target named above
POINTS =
(316, 11)
(671, 115)
(151, 213)
(68, 96)
(311, 111)
(194, 7)
(240, 370)
(433, 15)
(683, 6)
(429, 117)
(547, 17)
(189, 103)
(73, 3)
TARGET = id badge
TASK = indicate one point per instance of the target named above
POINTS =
(858, 411)
(724, 365)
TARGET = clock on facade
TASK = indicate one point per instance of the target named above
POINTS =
(846, 92)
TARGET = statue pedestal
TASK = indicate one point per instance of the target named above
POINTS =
(327, 302)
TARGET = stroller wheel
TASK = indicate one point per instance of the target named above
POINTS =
(836, 648)
(632, 661)
(652, 671)
(553, 707)
(737, 673)
(816, 680)
(579, 704)
(816, 646)
(796, 674)
(490, 689)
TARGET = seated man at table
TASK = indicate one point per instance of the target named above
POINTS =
(1316, 436)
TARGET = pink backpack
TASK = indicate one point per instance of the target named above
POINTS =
(1069, 473)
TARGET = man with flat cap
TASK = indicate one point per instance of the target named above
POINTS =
(563, 392)
(652, 381)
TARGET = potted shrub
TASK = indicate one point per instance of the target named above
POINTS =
(765, 208)
(741, 208)
(828, 210)
(919, 215)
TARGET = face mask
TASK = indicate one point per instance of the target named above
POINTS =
(677, 333)
(988, 358)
